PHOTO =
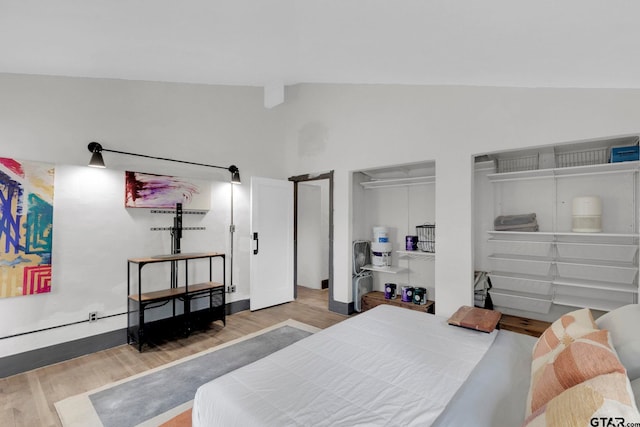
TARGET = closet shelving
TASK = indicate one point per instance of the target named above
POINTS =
(531, 271)
(398, 182)
(400, 198)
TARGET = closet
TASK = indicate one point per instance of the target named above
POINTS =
(561, 266)
(398, 198)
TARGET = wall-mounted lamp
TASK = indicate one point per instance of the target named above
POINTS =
(97, 161)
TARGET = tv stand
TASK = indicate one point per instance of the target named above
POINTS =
(138, 303)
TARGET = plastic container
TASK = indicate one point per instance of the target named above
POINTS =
(390, 291)
(380, 235)
(518, 247)
(521, 284)
(587, 214)
(520, 301)
(411, 243)
(407, 293)
(625, 154)
(420, 296)
(603, 273)
(598, 252)
(520, 266)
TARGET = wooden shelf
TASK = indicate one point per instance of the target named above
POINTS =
(376, 298)
(523, 325)
(175, 292)
(174, 257)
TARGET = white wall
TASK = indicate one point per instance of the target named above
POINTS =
(356, 127)
(319, 128)
(53, 119)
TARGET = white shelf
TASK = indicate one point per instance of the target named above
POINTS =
(617, 287)
(563, 237)
(390, 270)
(596, 304)
(398, 182)
(604, 168)
(417, 254)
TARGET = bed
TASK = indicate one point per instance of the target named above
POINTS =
(387, 366)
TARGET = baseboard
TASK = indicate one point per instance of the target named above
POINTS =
(340, 307)
(22, 362)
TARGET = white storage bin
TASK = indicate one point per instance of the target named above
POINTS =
(603, 252)
(604, 273)
(515, 247)
(520, 265)
(520, 301)
(521, 284)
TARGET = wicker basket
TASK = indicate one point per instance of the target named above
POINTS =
(426, 237)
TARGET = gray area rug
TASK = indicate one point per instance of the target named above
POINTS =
(134, 401)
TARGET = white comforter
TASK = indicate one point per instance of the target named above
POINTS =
(387, 366)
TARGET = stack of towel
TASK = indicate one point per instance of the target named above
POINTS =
(524, 222)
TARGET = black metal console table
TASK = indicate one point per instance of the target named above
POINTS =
(138, 302)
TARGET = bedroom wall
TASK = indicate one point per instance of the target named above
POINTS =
(354, 127)
(318, 128)
(52, 119)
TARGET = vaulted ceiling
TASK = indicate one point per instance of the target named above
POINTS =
(542, 43)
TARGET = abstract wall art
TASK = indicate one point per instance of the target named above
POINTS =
(26, 227)
(144, 190)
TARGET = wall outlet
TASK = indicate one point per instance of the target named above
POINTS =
(93, 316)
(231, 289)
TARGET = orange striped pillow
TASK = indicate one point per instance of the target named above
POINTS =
(607, 396)
(588, 357)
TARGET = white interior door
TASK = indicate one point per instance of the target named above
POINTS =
(272, 233)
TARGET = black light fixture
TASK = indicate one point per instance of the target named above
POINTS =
(97, 161)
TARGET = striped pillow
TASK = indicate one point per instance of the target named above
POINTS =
(587, 357)
(605, 396)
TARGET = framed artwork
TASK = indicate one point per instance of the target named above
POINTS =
(26, 227)
(144, 190)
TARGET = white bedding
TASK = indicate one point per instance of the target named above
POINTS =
(387, 366)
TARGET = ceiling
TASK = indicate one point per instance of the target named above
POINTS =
(542, 43)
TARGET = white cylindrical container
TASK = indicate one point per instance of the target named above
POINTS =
(380, 234)
(587, 214)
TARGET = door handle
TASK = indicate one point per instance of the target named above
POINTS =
(255, 238)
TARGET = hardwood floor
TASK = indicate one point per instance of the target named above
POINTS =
(28, 399)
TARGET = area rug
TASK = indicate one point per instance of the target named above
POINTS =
(164, 393)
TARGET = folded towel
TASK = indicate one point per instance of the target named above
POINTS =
(524, 227)
(514, 219)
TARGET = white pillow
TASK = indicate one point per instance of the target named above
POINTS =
(635, 386)
(624, 326)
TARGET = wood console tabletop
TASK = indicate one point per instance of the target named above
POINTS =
(375, 298)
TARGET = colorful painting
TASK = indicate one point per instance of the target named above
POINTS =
(144, 190)
(26, 227)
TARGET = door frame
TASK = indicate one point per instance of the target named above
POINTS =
(305, 178)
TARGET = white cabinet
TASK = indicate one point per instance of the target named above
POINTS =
(533, 272)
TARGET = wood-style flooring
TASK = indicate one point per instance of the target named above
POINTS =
(27, 399)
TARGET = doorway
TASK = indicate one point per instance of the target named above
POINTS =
(313, 238)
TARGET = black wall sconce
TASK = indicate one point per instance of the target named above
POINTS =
(97, 161)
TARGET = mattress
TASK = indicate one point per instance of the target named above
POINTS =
(387, 366)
